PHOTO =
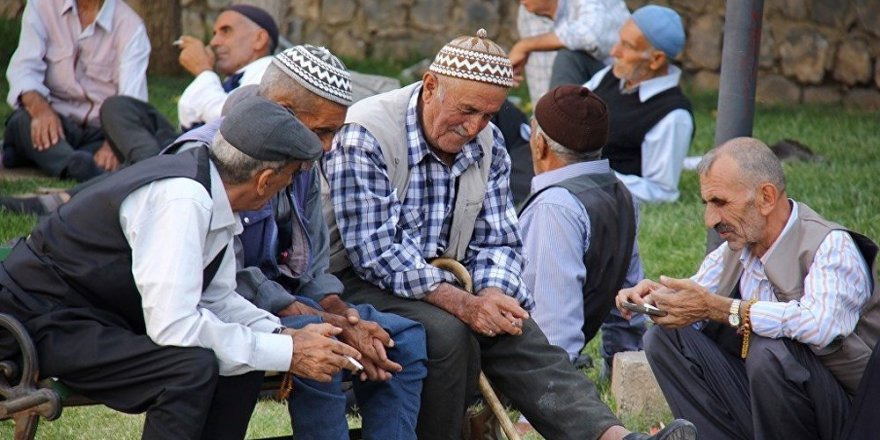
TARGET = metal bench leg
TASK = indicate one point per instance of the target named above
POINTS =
(25, 426)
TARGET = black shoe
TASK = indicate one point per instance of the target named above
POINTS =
(35, 205)
(679, 429)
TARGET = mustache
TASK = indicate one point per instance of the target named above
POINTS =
(722, 228)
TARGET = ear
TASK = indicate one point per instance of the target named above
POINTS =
(766, 198)
(261, 180)
(430, 83)
(540, 149)
(261, 42)
(657, 60)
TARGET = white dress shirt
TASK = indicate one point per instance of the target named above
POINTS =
(590, 25)
(27, 68)
(835, 289)
(175, 229)
(203, 98)
(665, 145)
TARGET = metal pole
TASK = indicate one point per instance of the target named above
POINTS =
(739, 69)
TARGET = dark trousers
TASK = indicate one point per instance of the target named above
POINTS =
(574, 67)
(18, 148)
(135, 129)
(781, 390)
(94, 353)
(537, 377)
(864, 419)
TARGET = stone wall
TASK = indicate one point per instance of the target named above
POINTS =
(814, 51)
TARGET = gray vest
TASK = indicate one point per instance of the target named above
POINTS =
(846, 357)
(384, 116)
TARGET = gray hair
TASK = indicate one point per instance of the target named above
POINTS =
(236, 167)
(564, 153)
(276, 81)
(757, 163)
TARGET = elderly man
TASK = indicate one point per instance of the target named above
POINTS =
(72, 56)
(582, 33)
(771, 336)
(283, 268)
(245, 37)
(651, 120)
(128, 289)
(418, 173)
(579, 227)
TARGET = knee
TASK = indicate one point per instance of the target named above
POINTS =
(19, 122)
(763, 354)
(657, 340)
(197, 366)
(450, 341)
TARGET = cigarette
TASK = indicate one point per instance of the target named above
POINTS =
(354, 362)
(178, 42)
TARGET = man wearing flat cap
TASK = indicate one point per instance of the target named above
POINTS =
(128, 290)
(419, 173)
(579, 226)
(245, 37)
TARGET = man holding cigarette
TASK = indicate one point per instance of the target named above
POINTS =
(244, 39)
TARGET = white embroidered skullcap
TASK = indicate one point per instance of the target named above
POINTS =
(318, 70)
(476, 58)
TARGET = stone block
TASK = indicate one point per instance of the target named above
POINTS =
(833, 13)
(192, 23)
(346, 45)
(868, 15)
(776, 89)
(803, 54)
(382, 14)
(865, 99)
(635, 388)
(767, 53)
(703, 48)
(472, 15)
(218, 4)
(853, 63)
(706, 80)
(822, 95)
(791, 9)
(877, 73)
(430, 15)
(334, 12)
(305, 9)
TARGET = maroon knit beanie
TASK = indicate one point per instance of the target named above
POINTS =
(575, 117)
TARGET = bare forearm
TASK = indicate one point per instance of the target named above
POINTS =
(449, 298)
(543, 42)
(33, 102)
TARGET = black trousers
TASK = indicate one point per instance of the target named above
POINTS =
(135, 129)
(864, 419)
(93, 352)
(537, 377)
(18, 147)
(573, 67)
(781, 390)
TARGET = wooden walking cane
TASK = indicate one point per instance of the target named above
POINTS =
(492, 400)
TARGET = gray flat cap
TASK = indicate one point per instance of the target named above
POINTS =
(264, 130)
(237, 96)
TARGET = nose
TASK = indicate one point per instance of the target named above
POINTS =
(615, 50)
(711, 217)
(475, 124)
(326, 142)
(215, 41)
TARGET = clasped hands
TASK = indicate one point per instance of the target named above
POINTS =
(684, 300)
(492, 313)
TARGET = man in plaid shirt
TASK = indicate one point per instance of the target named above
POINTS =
(419, 173)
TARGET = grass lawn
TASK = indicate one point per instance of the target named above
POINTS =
(844, 187)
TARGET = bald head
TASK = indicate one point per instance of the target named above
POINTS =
(755, 161)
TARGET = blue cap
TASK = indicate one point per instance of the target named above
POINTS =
(662, 27)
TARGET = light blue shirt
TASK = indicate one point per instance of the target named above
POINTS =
(835, 289)
(590, 25)
(556, 235)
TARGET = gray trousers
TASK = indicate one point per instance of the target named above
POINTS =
(781, 390)
(18, 148)
(537, 377)
(135, 129)
(573, 67)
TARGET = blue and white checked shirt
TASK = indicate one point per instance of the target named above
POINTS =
(836, 288)
(389, 241)
(556, 233)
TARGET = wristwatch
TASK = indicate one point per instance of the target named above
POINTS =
(733, 316)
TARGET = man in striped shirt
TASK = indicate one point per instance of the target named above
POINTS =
(771, 336)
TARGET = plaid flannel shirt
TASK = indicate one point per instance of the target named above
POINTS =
(389, 241)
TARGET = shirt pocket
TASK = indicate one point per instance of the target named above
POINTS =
(60, 76)
(101, 73)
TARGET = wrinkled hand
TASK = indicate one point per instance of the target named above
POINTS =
(685, 302)
(46, 128)
(316, 355)
(638, 294)
(195, 57)
(491, 313)
(106, 158)
(371, 340)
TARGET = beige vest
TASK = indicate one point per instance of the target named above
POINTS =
(786, 268)
(384, 116)
(81, 74)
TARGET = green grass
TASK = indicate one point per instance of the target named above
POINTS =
(844, 188)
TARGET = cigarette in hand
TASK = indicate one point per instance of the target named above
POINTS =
(177, 43)
(357, 365)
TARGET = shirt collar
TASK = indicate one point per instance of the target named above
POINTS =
(418, 145)
(558, 175)
(105, 14)
(648, 89)
(747, 253)
(222, 216)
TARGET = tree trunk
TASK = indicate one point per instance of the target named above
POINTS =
(162, 20)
